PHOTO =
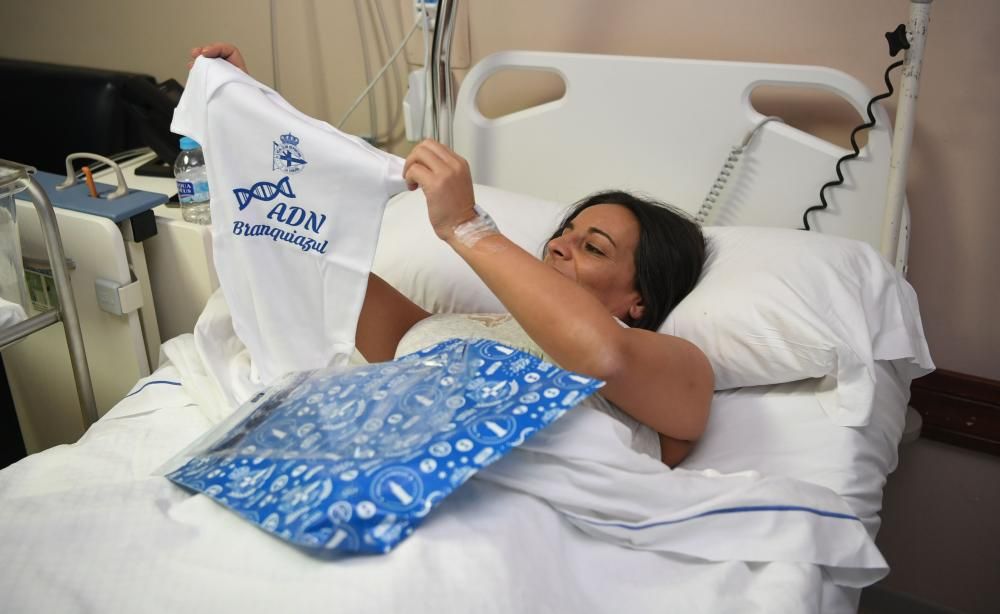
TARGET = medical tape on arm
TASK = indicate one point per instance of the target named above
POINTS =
(470, 232)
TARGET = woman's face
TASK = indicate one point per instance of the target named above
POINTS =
(597, 251)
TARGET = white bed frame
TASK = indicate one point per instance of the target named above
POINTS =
(678, 120)
(664, 127)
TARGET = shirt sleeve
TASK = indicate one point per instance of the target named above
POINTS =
(394, 182)
(190, 114)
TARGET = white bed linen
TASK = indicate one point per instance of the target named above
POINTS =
(91, 530)
(784, 431)
(585, 468)
(10, 313)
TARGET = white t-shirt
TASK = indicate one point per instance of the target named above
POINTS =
(296, 209)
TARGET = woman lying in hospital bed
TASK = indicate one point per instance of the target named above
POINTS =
(771, 306)
(614, 254)
(596, 303)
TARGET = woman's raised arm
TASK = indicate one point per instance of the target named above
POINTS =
(663, 381)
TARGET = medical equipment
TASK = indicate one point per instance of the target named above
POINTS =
(103, 241)
(566, 162)
(13, 178)
(471, 231)
(416, 100)
(589, 160)
(416, 103)
(442, 80)
(897, 41)
(703, 216)
(179, 258)
(896, 218)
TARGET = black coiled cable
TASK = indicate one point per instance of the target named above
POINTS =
(857, 150)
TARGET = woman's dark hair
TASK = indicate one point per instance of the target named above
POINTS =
(668, 257)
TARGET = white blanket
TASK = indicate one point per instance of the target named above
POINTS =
(584, 467)
(91, 530)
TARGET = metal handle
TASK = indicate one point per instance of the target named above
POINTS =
(122, 188)
(67, 313)
(67, 303)
(443, 99)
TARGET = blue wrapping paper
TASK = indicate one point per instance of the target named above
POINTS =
(351, 460)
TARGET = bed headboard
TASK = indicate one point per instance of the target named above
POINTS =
(665, 127)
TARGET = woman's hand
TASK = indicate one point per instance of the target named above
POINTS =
(447, 184)
(226, 51)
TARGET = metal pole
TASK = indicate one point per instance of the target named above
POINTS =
(67, 304)
(14, 333)
(443, 100)
(903, 133)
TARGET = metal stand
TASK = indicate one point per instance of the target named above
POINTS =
(902, 137)
(66, 313)
(443, 99)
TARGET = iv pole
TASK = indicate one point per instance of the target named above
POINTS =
(916, 34)
(443, 99)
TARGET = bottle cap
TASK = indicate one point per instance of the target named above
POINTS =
(189, 143)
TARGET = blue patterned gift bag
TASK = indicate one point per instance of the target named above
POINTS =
(350, 460)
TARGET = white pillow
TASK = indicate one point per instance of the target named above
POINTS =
(772, 306)
(414, 261)
(776, 305)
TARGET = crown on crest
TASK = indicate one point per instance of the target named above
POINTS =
(289, 139)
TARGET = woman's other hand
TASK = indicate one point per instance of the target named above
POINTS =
(226, 51)
(447, 184)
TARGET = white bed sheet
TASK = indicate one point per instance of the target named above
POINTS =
(91, 530)
(10, 313)
(784, 431)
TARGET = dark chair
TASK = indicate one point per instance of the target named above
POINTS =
(51, 110)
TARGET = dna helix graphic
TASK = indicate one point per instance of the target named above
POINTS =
(263, 191)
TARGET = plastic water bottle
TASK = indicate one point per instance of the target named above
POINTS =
(192, 183)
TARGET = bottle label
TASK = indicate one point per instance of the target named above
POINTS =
(192, 192)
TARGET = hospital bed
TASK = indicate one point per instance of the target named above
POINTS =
(802, 396)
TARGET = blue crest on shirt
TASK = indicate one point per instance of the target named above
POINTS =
(287, 156)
